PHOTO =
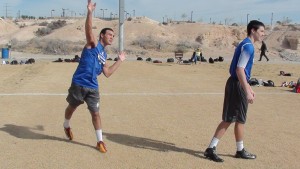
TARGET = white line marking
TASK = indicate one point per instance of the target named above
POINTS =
(136, 94)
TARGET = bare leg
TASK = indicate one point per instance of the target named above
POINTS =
(96, 120)
(239, 131)
(69, 112)
(221, 129)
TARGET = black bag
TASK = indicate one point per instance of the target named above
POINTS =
(269, 83)
(221, 59)
(170, 60)
(14, 62)
(253, 82)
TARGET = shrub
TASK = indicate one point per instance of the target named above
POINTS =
(234, 24)
(200, 39)
(147, 43)
(43, 31)
(50, 27)
(57, 24)
(184, 46)
(43, 24)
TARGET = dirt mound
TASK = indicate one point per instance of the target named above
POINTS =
(7, 27)
(146, 37)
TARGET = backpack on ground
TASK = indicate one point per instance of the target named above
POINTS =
(269, 83)
(170, 60)
(221, 59)
(14, 62)
(253, 82)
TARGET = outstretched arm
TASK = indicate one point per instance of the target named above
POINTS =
(90, 38)
(109, 70)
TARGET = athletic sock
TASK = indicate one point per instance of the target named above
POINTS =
(214, 142)
(67, 123)
(239, 145)
(99, 135)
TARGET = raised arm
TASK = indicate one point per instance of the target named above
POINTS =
(90, 38)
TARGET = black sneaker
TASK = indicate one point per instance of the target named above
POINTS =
(212, 154)
(245, 155)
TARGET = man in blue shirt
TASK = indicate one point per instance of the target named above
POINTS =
(238, 93)
(84, 87)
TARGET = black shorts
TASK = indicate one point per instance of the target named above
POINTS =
(78, 95)
(235, 102)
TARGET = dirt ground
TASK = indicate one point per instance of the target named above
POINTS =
(154, 116)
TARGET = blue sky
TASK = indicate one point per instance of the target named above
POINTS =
(206, 11)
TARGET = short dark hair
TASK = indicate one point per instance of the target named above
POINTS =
(103, 31)
(254, 24)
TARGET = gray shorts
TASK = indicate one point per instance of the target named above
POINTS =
(78, 95)
(235, 102)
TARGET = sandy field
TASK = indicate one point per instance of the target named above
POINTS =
(154, 116)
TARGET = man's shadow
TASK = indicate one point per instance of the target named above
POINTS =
(127, 140)
(145, 143)
(28, 133)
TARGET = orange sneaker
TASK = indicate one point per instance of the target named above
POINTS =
(69, 133)
(101, 147)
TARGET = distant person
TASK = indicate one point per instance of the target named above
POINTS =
(196, 56)
(238, 93)
(263, 50)
(84, 87)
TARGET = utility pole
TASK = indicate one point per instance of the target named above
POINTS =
(247, 18)
(133, 13)
(125, 14)
(72, 12)
(64, 12)
(121, 24)
(192, 16)
(103, 12)
(6, 10)
(272, 20)
(51, 12)
(19, 14)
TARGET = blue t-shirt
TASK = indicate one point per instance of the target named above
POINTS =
(243, 57)
(90, 66)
